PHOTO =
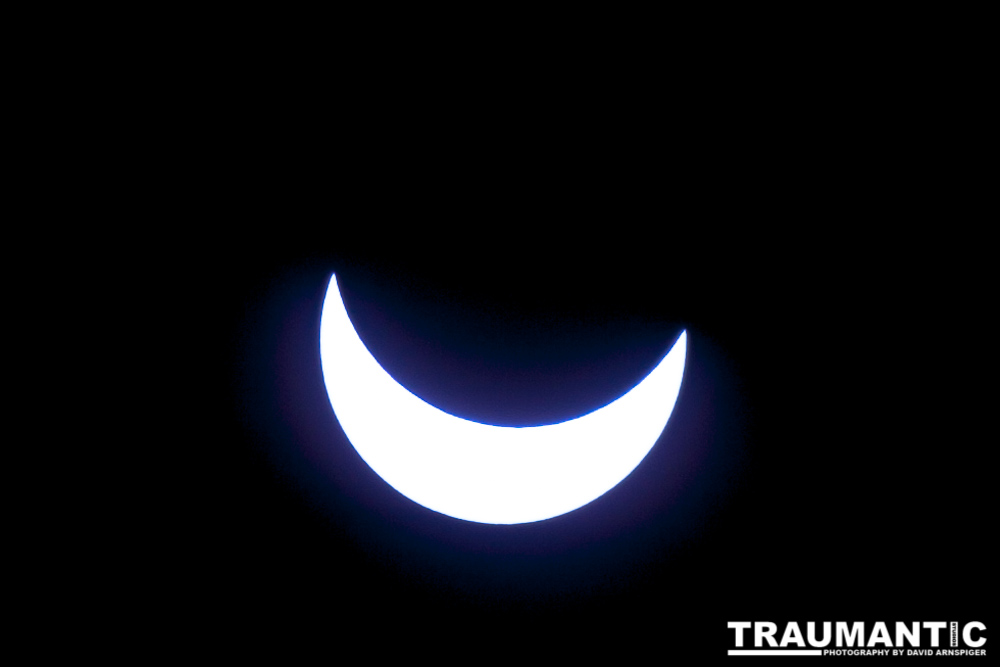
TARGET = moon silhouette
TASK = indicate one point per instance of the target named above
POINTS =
(480, 472)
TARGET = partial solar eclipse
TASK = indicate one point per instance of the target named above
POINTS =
(479, 472)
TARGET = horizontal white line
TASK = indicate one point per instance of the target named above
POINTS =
(766, 652)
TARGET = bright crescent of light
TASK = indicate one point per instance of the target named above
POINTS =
(479, 472)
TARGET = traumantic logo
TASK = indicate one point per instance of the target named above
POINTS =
(858, 638)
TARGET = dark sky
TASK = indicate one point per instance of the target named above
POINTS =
(519, 237)
(821, 462)
(817, 465)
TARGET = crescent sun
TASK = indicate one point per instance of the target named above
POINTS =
(480, 472)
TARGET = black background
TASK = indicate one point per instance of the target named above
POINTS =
(821, 462)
